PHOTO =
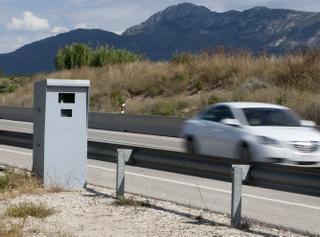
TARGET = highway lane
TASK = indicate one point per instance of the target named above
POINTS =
(106, 136)
(124, 138)
(297, 211)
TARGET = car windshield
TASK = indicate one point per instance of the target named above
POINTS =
(271, 117)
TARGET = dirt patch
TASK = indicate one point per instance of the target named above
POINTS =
(95, 212)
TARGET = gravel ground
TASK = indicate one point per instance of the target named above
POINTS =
(93, 212)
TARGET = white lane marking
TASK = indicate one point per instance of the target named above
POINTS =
(186, 184)
(14, 121)
(209, 188)
(134, 135)
(161, 179)
(18, 129)
(281, 201)
(112, 141)
(90, 130)
(126, 143)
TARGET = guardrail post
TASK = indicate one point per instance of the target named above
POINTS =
(123, 157)
(239, 174)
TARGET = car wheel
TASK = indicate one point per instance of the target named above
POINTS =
(245, 155)
(191, 145)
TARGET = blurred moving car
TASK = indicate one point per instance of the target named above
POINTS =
(253, 131)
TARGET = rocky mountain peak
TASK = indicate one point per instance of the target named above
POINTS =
(172, 13)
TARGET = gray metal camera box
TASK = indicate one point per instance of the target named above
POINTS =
(60, 132)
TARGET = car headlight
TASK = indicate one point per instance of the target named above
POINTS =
(268, 141)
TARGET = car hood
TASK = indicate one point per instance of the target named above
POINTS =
(287, 133)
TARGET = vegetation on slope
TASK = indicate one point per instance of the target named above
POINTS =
(188, 83)
(80, 55)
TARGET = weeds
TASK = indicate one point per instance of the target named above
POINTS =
(14, 183)
(131, 202)
(25, 209)
(245, 225)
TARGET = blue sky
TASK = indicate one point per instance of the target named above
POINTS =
(25, 21)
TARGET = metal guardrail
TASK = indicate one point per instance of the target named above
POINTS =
(153, 125)
(287, 178)
(144, 124)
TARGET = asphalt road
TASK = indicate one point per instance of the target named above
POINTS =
(124, 138)
(296, 211)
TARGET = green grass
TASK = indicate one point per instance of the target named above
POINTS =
(25, 209)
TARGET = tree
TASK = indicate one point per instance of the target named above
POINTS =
(79, 55)
(73, 56)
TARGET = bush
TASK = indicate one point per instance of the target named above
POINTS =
(79, 55)
(108, 55)
(73, 56)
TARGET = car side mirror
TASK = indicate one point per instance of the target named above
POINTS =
(307, 123)
(231, 122)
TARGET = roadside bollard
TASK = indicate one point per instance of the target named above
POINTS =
(239, 174)
(123, 157)
(123, 108)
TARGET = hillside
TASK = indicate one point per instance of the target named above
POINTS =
(187, 84)
(187, 27)
(39, 56)
(183, 27)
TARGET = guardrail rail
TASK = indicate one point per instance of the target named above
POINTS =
(288, 178)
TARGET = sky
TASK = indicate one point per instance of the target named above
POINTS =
(25, 21)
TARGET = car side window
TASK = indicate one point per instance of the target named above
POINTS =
(217, 114)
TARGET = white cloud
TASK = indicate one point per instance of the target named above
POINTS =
(8, 44)
(81, 26)
(58, 29)
(28, 22)
(119, 32)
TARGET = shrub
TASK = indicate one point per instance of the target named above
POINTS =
(73, 56)
(12, 88)
(109, 55)
(117, 98)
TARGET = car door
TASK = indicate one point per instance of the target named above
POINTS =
(219, 139)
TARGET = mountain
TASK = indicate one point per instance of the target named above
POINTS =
(39, 56)
(183, 27)
(193, 28)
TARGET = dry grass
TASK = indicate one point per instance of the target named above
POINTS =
(25, 209)
(10, 230)
(17, 182)
(188, 83)
(13, 183)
